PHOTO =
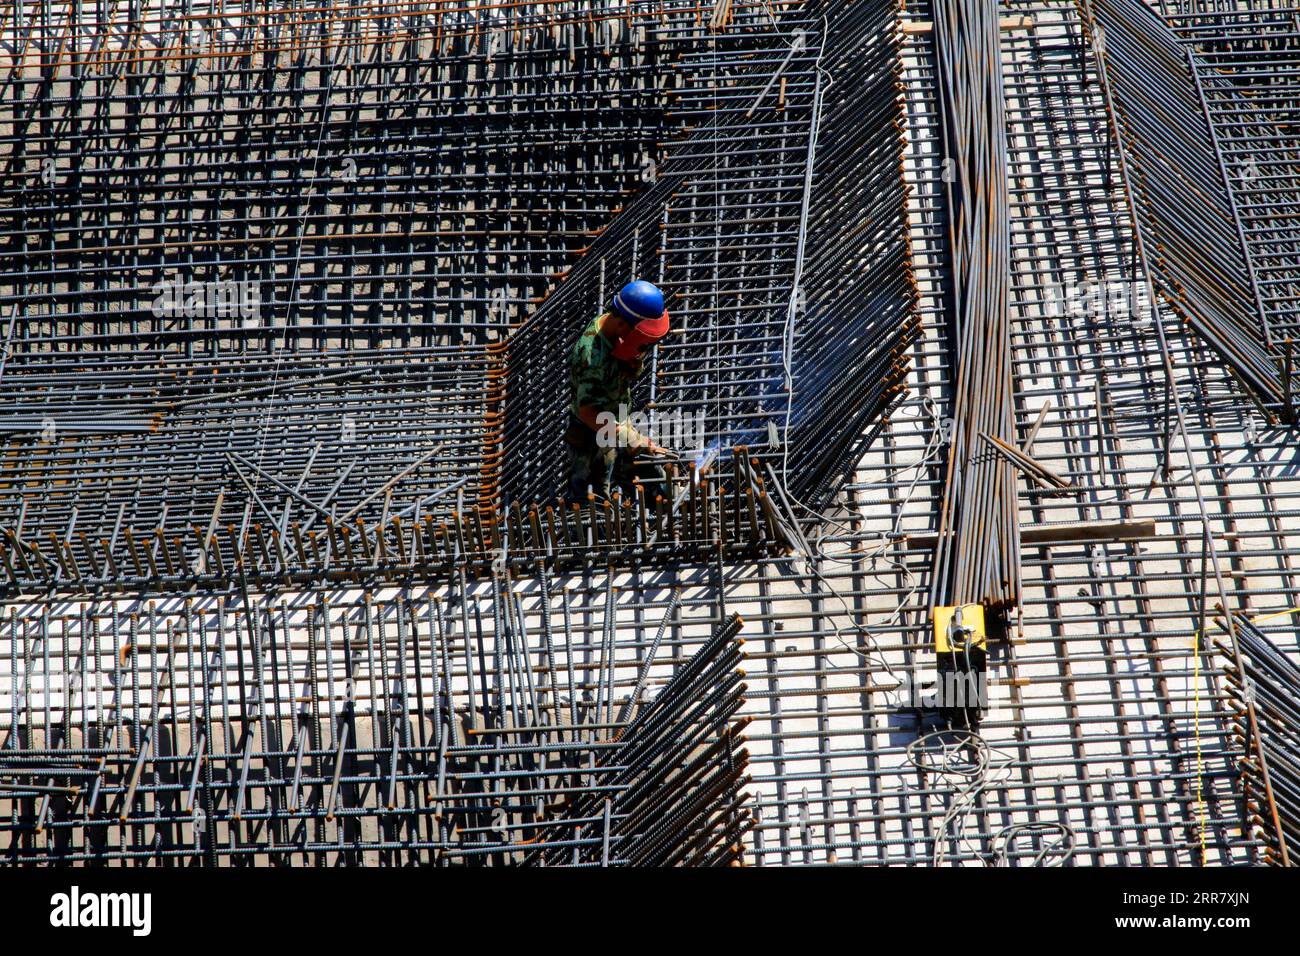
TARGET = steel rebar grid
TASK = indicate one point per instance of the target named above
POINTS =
(1105, 716)
(278, 237)
(1066, 231)
(1183, 207)
(674, 797)
(363, 201)
(780, 346)
(735, 519)
(1248, 67)
(1263, 686)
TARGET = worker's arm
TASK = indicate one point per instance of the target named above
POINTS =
(596, 393)
(628, 436)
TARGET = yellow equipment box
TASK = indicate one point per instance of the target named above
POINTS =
(972, 616)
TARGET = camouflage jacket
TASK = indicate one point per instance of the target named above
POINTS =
(596, 378)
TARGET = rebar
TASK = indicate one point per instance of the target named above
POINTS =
(204, 662)
(977, 557)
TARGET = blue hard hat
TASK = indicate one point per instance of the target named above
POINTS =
(638, 301)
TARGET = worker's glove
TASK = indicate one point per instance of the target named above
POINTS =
(657, 451)
(631, 439)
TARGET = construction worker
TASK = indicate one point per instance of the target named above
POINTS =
(604, 448)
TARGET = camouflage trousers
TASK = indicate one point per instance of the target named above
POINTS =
(605, 469)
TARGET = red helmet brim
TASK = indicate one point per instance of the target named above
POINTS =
(644, 333)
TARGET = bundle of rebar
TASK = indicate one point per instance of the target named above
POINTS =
(1034, 470)
(1189, 235)
(977, 555)
(1263, 685)
(671, 790)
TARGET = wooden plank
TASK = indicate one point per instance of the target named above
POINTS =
(1049, 534)
(1024, 22)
